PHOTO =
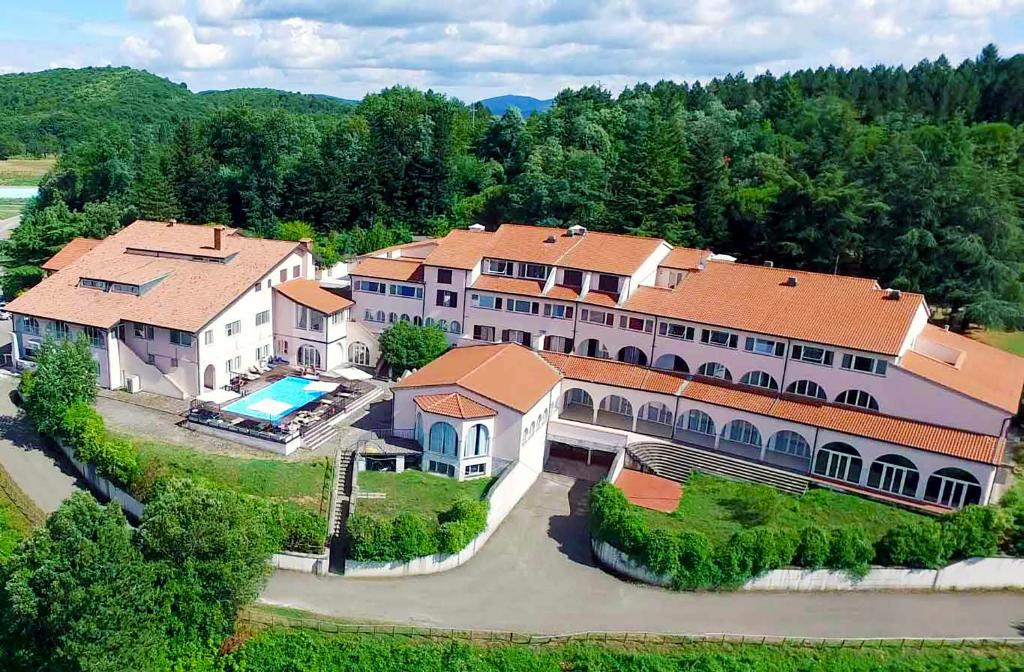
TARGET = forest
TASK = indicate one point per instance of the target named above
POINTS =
(911, 176)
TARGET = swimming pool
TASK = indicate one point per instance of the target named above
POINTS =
(278, 399)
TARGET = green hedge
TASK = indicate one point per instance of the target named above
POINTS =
(115, 458)
(298, 528)
(695, 562)
(408, 535)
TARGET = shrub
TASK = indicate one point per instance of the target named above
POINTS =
(115, 459)
(299, 529)
(918, 544)
(849, 550)
(65, 373)
(660, 552)
(758, 505)
(813, 550)
(370, 538)
(412, 537)
(734, 561)
(975, 531)
(454, 536)
(696, 567)
(408, 536)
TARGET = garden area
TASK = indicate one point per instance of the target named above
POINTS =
(412, 514)
(725, 532)
(19, 515)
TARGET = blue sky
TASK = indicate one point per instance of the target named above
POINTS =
(474, 49)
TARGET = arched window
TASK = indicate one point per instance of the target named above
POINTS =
(839, 461)
(444, 439)
(392, 317)
(309, 356)
(895, 474)
(807, 388)
(380, 315)
(789, 443)
(741, 431)
(430, 322)
(655, 411)
(577, 397)
(696, 421)
(417, 320)
(633, 355)
(714, 370)
(858, 398)
(455, 327)
(359, 354)
(671, 363)
(615, 411)
(759, 379)
(952, 487)
(442, 325)
(404, 317)
(613, 403)
(368, 315)
(592, 347)
(478, 442)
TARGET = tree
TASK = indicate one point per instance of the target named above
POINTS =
(65, 373)
(211, 549)
(77, 596)
(405, 346)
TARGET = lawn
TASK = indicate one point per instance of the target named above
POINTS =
(718, 507)
(305, 482)
(411, 490)
(24, 172)
(18, 514)
(9, 207)
(1010, 341)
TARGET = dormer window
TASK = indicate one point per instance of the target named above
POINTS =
(608, 283)
(535, 271)
(93, 284)
(571, 278)
(499, 267)
(122, 288)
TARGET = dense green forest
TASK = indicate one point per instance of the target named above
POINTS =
(913, 176)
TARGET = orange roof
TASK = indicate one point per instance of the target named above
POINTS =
(610, 252)
(831, 309)
(685, 258)
(649, 491)
(190, 294)
(75, 248)
(309, 293)
(506, 373)
(461, 248)
(899, 431)
(967, 366)
(406, 270)
(596, 298)
(405, 250)
(453, 405)
(498, 283)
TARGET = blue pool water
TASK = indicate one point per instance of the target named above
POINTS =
(290, 391)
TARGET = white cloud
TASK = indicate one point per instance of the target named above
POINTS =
(174, 40)
(155, 9)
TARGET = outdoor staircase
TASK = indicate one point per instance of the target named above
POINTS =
(318, 436)
(344, 468)
(676, 462)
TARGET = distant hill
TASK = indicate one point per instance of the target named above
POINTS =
(527, 105)
(281, 100)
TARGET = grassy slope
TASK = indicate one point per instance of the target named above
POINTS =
(18, 514)
(719, 507)
(302, 482)
(417, 491)
(10, 207)
(24, 172)
(1010, 341)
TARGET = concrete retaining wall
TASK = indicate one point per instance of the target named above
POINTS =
(973, 574)
(307, 563)
(503, 496)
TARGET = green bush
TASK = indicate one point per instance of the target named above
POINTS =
(115, 459)
(408, 536)
(849, 550)
(454, 536)
(412, 536)
(661, 552)
(975, 531)
(919, 545)
(813, 550)
(299, 529)
(696, 568)
(370, 538)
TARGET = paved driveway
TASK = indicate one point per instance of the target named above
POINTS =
(536, 575)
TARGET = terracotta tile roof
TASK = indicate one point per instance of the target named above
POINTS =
(528, 243)
(75, 248)
(604, 299)
(899, 431)
(497, 283)
(563, 293)
(685, 258)
(453, 405)
(460, 249)
(191, 294)
(309, 293)
(421, 248)
(967, 366)
(830, 309)
(406, 270)
(611, 253)
(506, 373)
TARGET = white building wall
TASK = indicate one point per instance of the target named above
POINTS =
(456, 314)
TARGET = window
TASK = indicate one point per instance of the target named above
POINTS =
(952, 487)
(370, 286)
(392, 318)
(558, 344)
(268, 283)
(442, 324)
(96, 336)
(759, 379)
(263, 352)
(182, 338)
(613, 403)
(478, 469)
(233, 328)
(309, 356)
(444, 276)
(258, 286)
(143, 331)
(443, 439)
(455, 327)
(150, 358)
(307, 318)
(790, 443)
(516, 336)
(700, 422)
(296, 270)
(812, 355)
(722, 339)
(714, 370)
(572, 278)
(417, 320)
(655, 412)
(123, 288)
(406, 291)
(895, 474)
(482, 333)
(486, 301)
(30, 325)
(672, 330)
(519, 306)
(535, 271)
(262, 317)
(359, 354)
(839, 461)
(608, 283)
(864, 364)
(632, 355)
(597, 317)
(208, 337)
(558, 311)
(284, 275)
(807, 388)
(636, 323)
(379, 316)
(447, 299)
(741, 431)
(478, 442)
(858, 398)
(764, 346)
(95, 284)
(499, 267)
(442, 468)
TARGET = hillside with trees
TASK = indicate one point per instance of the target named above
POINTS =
(912, 176)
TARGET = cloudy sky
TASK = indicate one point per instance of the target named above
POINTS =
(475, 49)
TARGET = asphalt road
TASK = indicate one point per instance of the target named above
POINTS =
(536, 575)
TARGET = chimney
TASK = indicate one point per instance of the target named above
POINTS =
(769, 264)
(477, 227)
(307, 243)
(791, 281)
(893, 294)
(550, 239)
(218, 232)
(171, 222)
